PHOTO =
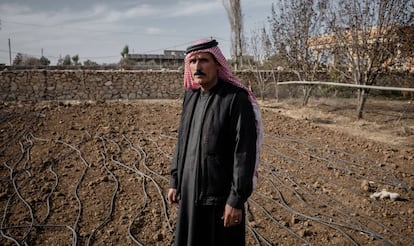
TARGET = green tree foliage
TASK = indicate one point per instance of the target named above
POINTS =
(60, 61)
(26, 60)
(125, 52)
(75, 59)
(18, 59)
(67, 60)
(125, 61)
(90, 63)
(32, 61)
(44, 61)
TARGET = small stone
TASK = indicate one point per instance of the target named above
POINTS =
(305, 233)
(294, 220)
(367, 186)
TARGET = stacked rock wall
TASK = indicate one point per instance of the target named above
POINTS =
(35, 85)
(47, 84)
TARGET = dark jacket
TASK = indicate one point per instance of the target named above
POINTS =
(228, 147)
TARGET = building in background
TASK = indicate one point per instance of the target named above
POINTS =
(171, 59)
(332, 47)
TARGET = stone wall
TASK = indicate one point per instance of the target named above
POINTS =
(35, 85)
(45, 84)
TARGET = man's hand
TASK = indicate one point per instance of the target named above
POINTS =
(232, 216)
(172, 196)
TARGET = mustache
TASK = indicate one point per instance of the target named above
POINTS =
(199, 72)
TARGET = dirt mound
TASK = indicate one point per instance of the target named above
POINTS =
(97, 173)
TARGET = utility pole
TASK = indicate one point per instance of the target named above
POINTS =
(10, 52)
(9, 46)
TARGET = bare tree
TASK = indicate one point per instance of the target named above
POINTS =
(366, 37)
(260, 48)
(234, 13)
(266, 65)
(293, 23)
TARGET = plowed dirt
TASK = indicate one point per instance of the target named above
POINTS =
(80, 173)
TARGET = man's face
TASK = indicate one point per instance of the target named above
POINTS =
(204, 70)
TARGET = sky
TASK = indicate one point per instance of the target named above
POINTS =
(98, 30)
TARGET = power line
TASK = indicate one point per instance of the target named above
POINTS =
(62, 26)
(57, 57)
(182, 44)
(97, 57)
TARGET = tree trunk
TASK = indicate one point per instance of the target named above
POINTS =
(262, 87)
(260, 83)
(276, 85)
(362, 98)
(307, 93)
(277, 92)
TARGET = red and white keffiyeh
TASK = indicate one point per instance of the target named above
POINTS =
(225, 74)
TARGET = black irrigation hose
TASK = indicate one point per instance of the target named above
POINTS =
(74, 235)
(28, 150)
(24, 160)
(326, 223)
(284, 205)
(255, 235)
(382, 205)
(396, 182)
(385, 228)
(316, 199)
(143, 176)
(112, 203)
(74, 149)
(290, 209)
(29, 208)
(25, 152)
(253, 231)
(360, 157)
(367, 218)
(354, 228)
(13, 176)
(86, 168)
(269, 215)
(258, 237)
(164, 203)
(313, 148)
(54, 161)
(144, 163)
(5, 212)
(300, 197)
(383, 181)
(133, 238)
(55, 185)
(169, 156)
(22, 132)
(170, 137)
(345, 170)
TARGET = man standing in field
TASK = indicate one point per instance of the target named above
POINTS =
(215, 163)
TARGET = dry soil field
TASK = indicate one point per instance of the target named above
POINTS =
(96, 173)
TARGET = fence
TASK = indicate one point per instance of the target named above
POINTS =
(85, 84)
